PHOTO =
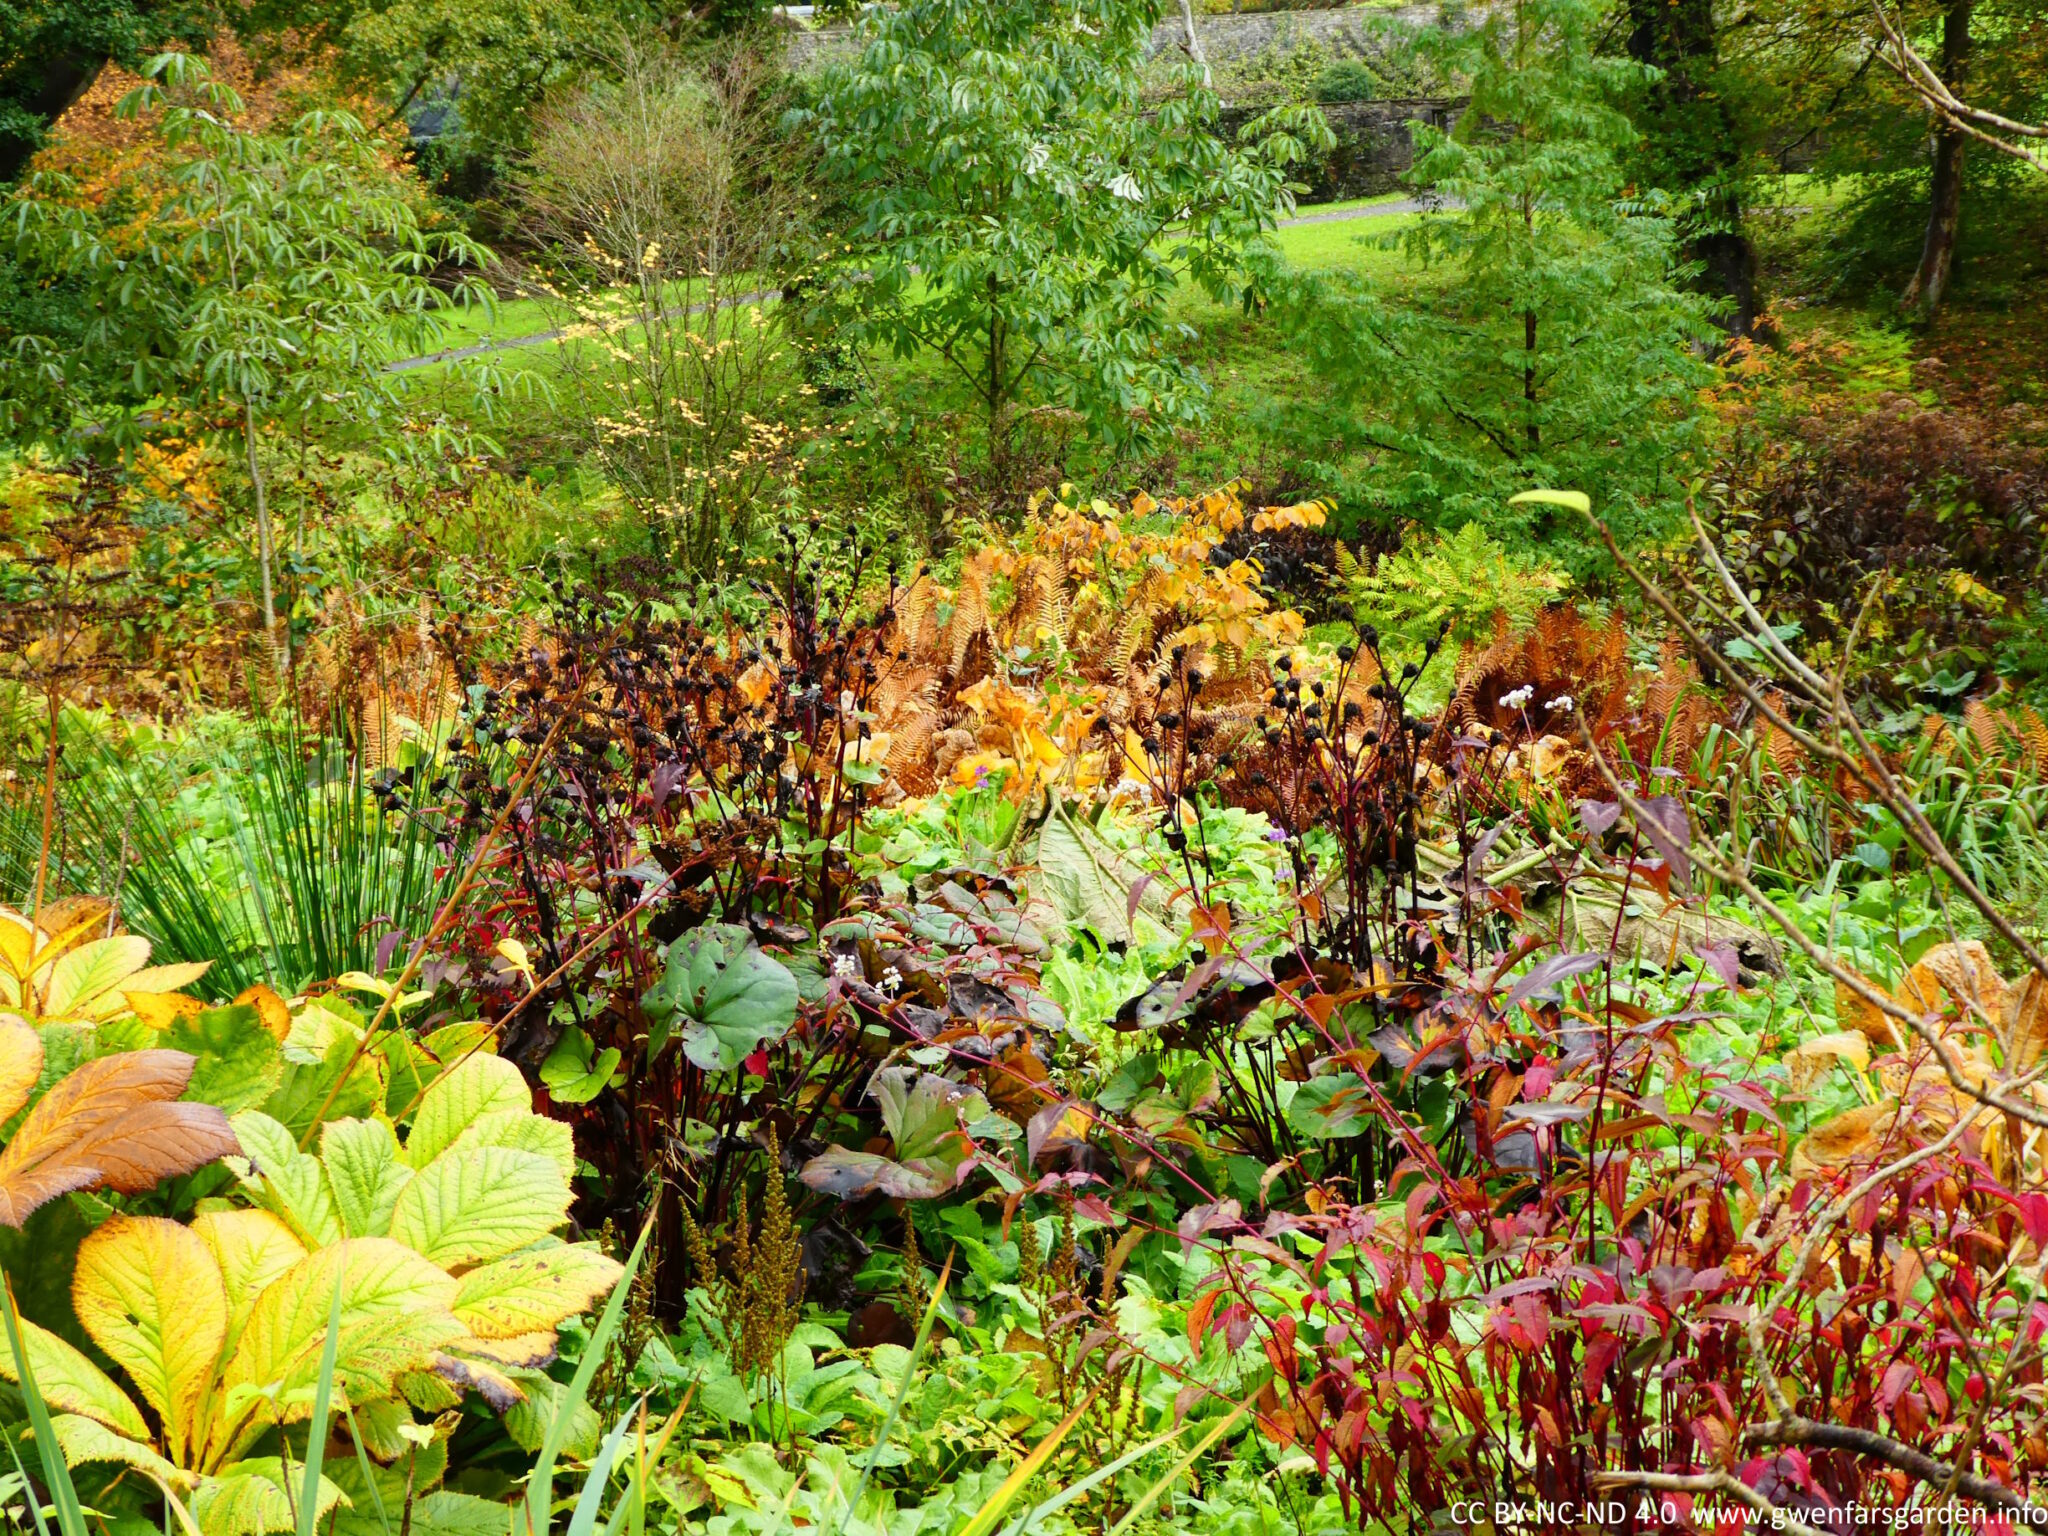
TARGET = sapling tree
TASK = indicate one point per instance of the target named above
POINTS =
(269, 280)
(1019, 209)
(1546, 339)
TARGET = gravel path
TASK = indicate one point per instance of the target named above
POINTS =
(508, 343)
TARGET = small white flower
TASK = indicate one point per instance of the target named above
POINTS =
(1563, 704)
(892, 980)
(845, 967)
(1519, 697)
(1125, 186)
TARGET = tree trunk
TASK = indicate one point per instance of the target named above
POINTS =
(49, 90)
(1945, 194)
(1695, 135)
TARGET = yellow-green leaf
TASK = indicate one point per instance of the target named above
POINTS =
(394, 1316)
(94, 970)
(289, 1183)
(252, 1249)
(523, 1131)
(481, 1085)
(84, 1440)
(480, 1203)
(150, 1294)
(534, 1290)
(364, 1173)
(1577, 501)
(70, 1383)
(251, 1500)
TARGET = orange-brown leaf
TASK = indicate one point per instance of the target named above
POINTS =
(111, 1123)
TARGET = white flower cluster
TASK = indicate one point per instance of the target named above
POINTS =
(1563, 704)
(1518, 697)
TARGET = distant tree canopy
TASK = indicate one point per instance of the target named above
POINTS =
(50, 51)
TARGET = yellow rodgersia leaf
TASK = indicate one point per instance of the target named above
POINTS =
(532, 1291)
(150, 1294)
(70, 1383)
(480, 1202)
(252, 1249)
(394, 1317)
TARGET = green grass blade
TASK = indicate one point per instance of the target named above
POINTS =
(924, 1333)
(1091, 1482)
(1195, 1453)
(316, 1432)
(28, 1491)
(990, 1512)
(583, 1520)
(63, 1494)
(369, 1475)
(541, 1483)
(636, 1494)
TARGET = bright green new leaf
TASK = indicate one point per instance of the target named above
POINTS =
(364, 1173)
(576, 1071)
(251, 1500)
(290, 1184)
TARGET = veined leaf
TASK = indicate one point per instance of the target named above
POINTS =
(309, 1090)
(239, 1062)
(21, 1063)
(292, 1185)
(92, 971)
(73, 1384)
(110, 1123)
(460, 1097)
(150, 1294)
(722, 995)
(394, 1316)
(523, 1131)
(364, 1173)
(250, 1499)
(252, 1249)
(480, 1203)
(535, 1290)
(84, 1440)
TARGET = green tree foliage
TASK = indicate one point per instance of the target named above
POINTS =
(1546, 342)
(1020, 210)
(271, 278)
(50, 50)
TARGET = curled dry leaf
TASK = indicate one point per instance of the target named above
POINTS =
(1811, 1060)
(113, 1123)
(1852, 1136)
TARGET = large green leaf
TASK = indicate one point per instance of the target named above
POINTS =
(576, 1071)
(290, 1184)
(364, 1172)
(238, 1063)
(523, 1131)
(91, 970)
(478, 1086)
(84, 1441)
(250, 1499)
(480, 1203)
(721, 996)
(924, 1115)
(308, 1086)
(394, 1316)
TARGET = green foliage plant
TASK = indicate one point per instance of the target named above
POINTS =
(438, 1246)
(1556, 347)
(1466, 580)
(274, 277)
(1023, 213)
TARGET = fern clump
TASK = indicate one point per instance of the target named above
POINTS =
(1467, 583)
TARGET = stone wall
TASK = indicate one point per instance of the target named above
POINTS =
(1375, 146)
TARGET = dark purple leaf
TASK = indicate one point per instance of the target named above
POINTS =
(1663, 822)
(1722, 960)
(1596, 816)
(1204, 1219)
